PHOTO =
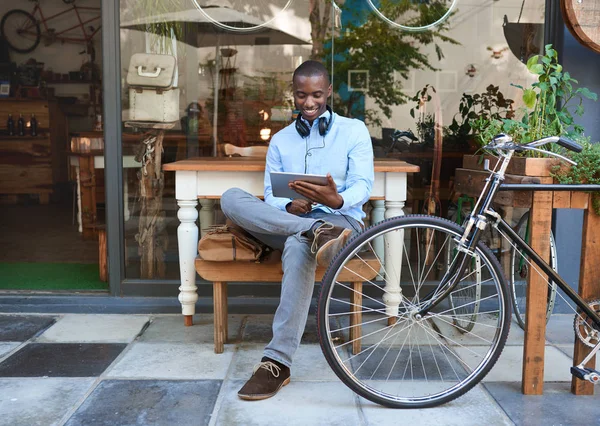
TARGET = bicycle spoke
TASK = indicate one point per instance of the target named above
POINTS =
(407, 359)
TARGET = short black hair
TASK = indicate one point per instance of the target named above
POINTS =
(311, 69)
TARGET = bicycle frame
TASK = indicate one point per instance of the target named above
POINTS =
(59, 35)
(483, 215)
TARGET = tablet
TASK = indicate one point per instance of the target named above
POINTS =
(280, 180)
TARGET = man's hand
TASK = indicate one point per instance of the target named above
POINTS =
(322, 194)
(299, 207)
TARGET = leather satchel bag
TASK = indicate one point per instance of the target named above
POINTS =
(226, 243)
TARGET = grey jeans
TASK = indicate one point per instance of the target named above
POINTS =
(284, 231)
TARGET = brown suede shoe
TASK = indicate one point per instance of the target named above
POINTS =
(266, 381)
(328, 241)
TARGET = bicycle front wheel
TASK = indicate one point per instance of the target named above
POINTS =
(411, 15)
(520, 268)
(20, 30)
(369, 329)
(244, 15)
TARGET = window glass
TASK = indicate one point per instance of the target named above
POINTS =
(230, 83)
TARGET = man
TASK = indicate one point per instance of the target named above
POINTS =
(308, 232)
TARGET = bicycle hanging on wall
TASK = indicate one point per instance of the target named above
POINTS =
(23, 31)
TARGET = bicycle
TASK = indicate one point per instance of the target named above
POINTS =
(411, 353)
(519, 268)
(519, 272)
(22, 31)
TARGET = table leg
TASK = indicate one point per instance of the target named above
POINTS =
(589, 289)
(537, 293)
(394, 246)
(207, 215)
(87, 179)
(187, 241)
(395, 196)
(378, 215)
(79, 223)
(126, 212)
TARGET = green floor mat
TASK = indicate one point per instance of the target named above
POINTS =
(50, 276)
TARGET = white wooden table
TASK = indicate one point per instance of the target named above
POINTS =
(206, 179)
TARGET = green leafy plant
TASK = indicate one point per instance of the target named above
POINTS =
(487, 106)
(587, 170)
(550, 103)
(368, 43)
(160, 33)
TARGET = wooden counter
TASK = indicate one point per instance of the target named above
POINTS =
(33, 164)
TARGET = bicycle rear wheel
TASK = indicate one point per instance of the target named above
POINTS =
(413, 15)
(397, 359)
(244, 15)
(20, 30)
(520, 267)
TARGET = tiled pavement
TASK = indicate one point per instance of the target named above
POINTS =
(79, 369)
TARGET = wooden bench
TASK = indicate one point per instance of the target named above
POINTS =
(219, 273)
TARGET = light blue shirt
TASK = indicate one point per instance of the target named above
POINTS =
(345, 151)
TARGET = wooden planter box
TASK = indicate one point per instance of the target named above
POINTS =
(470, 180)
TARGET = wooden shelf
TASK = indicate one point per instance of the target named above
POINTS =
(41, 135)
(74, 82)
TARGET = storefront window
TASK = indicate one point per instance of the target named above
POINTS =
(226, 79)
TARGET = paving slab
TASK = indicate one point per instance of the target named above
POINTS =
(170, 328)
(476, 407)
(61, 360)
(509, 367)
(559, 329)
(148, 402)
(258, 328)
(18, 328)
(39, 401)
(172, 361)
(6, 347)
(297, 404)
(557, 406)
(484, 329)
(309, 363)
(95, 328)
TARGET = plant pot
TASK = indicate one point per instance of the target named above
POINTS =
(470, 180)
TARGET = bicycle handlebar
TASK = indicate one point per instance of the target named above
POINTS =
(561, 140)
(505, 142)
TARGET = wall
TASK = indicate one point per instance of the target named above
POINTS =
(583, 64)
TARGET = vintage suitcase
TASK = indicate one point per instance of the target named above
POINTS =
(152, 96)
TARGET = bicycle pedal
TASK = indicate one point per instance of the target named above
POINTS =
(588, 374)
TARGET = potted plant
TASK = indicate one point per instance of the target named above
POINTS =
(460, 135)
(488, 105)
(549, 106)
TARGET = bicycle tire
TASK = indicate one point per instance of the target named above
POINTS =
(519, 270)
(454, 363)
(25, 18)
(251, 15)
(418, 16)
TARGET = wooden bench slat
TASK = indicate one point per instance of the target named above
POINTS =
(271, 272)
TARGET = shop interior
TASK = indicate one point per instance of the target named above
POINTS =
(50, 121)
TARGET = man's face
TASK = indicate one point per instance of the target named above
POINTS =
(310, 95)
